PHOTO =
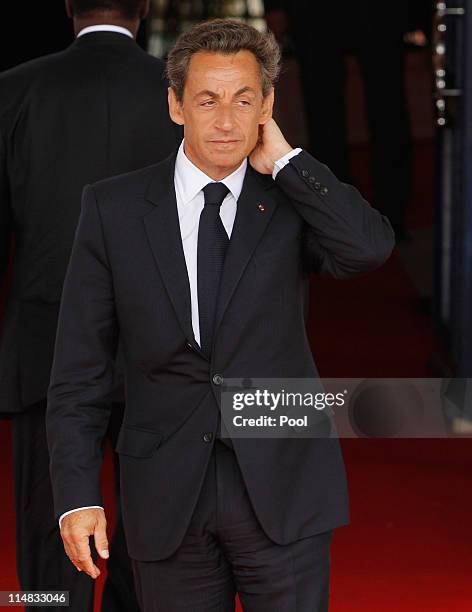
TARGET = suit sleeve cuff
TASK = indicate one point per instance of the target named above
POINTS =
(75, 510)
(283, 161)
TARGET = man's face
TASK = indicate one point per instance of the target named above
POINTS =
(221, 110)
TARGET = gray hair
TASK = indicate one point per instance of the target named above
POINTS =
(226, 36)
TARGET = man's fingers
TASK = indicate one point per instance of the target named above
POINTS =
(89, 567)
(78, 551)
(85, 565)
(101, 541)
(70, 555)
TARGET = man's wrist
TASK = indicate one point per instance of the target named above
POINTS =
(76, 510)
(283, 161)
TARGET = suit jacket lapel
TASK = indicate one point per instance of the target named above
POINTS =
(163, 231)
(254, 211)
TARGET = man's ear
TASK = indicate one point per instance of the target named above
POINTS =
(69, 9)
(267, 107)
(175, 107)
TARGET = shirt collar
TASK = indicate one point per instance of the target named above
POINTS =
(105, 28)
(191, 179)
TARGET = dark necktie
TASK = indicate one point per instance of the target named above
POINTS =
(212, 244)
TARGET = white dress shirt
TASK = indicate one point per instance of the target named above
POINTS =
(189, 182)
(105, 27)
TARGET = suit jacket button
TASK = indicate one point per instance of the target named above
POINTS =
(208, 436)
(324, 191)
(217, 379)
(305, 173)
(311, 179)
(317, 185)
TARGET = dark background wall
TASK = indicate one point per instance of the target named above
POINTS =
(34, 28)
(31, 29)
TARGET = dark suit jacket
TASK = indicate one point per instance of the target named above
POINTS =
(97, 109)
(127, 275)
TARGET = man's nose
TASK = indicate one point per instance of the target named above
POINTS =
(225, 120)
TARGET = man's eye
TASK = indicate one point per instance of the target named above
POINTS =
(208, 103)
(244, 102)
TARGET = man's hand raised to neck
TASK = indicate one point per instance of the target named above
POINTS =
(270, 147)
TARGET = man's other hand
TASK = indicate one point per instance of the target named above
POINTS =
(270, 147)
(76, 529)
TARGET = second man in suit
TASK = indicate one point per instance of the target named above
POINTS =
(97, 109)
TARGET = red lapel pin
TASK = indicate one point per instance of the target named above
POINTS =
(261, 207)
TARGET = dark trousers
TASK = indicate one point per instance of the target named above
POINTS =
(41, 561)
(225, 551)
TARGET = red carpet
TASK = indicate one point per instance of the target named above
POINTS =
(409, 545)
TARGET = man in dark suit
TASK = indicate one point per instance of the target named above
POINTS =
(97, 109)
(201, 264)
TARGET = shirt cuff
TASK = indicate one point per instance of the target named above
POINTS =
(75, 510)
(283, 161)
